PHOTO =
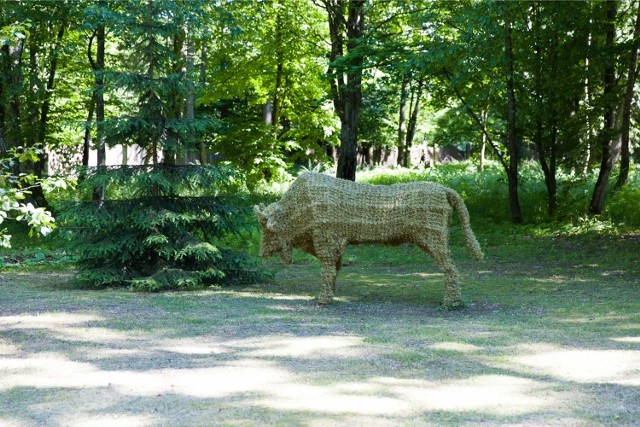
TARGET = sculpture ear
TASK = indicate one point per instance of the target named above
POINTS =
(262, 218)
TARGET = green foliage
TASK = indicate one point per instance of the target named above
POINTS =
(453, 128)
(487, 200)
(377, 127)
(158, 238)
(156, 226)
(180, 73)
(266, 55)
(13, 33)
(624, 205)
(13, 190)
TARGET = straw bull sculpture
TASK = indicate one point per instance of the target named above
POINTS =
(322, 215)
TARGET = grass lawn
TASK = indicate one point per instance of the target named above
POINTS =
(550, 335)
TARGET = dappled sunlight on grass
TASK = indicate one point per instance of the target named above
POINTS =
(11, 422)
(256, 374)
(635, 340)
(538, 343)
(121, 420)
(333, 399)
(49, 371)
(111, 353)
(280, 388)
(54, 371)
(268, 295)
(456, 346)
(621, 322)
(497, 394)
(64, 326)
(269, 346)
(422, 275)
(494, 394)
(189, 347)
(308, 347)
(7, 348)
(46, 320)
(587, 366)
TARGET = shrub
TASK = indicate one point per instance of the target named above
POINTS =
(162, 234)
(624, 204)
(486, 193)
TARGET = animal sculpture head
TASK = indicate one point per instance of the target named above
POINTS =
(272, 242)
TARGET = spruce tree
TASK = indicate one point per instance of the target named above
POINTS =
(155, 226)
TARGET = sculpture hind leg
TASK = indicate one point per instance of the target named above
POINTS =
(452, 295)
(442, 257)
(338, 267)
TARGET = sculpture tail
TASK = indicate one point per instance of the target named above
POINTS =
(472, 243)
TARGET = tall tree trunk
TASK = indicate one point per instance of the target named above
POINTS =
(600, 190)
(86, 146)
(345, 86)
(202, 149)
(484, 114)
(402, 119)
(4, 101)
(190, 112)
(278, 91)
(13, 131)
(587, 101)
(98, 68)
(548, 167)
(3, 142)
(549, 149)
(632, 72)
(347, 161)
(37, 194)
(352, 93)
(512, 140)
(413, 122)
(336, 21)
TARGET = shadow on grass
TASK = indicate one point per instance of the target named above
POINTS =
(550, 345)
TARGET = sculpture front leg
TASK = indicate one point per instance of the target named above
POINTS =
(329, 273)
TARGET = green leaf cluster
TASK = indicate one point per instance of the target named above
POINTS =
(13, 191)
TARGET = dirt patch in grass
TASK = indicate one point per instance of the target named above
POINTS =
(538, 343)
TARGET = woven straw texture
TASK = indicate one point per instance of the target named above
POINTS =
(322, 215)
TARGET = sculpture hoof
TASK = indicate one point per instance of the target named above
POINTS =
(324, 301)
(452, 306)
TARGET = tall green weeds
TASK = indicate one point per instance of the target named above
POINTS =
(486, 194)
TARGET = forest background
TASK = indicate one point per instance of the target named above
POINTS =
(538, 96)
(530, 108)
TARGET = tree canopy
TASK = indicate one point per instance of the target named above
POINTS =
(266, 84)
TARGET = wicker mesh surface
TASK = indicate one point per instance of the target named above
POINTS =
(322, 215)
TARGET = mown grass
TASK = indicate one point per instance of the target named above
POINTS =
(550, 335)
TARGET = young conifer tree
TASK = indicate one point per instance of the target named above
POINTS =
(154, 229)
